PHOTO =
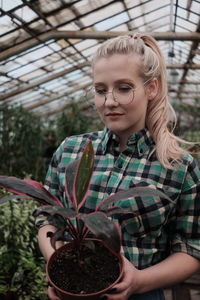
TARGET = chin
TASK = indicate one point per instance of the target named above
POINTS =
(115, 128)
(117, 131)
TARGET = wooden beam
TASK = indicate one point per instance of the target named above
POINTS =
(99, 35)
(55, 98)
(183, 66)
(50, 77)
(36, 83)
(184, 82)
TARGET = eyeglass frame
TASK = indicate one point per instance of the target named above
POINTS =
(114, 98)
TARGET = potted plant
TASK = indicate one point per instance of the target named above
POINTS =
(76, 228)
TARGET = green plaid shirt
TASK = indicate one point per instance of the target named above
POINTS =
(162, 227)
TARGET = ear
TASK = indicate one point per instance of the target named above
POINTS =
(152, 89)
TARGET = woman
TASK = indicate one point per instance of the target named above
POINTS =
(136, 148)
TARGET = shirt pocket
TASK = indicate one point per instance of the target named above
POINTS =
(149, 217)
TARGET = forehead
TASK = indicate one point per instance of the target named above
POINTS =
(116, 66)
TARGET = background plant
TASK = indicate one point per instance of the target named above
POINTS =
(188, 124)
(21, 264)
(27, 141)
(20, 142)
(73, 121)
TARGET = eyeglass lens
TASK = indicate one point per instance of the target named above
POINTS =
(123, 94)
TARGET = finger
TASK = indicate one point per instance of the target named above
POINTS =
(112, 291)
(52, 293)
(113, 297)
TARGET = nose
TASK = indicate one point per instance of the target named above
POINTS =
(110, 99)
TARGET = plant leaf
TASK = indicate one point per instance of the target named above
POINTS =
(83, 175)
(13, 197)
(131, 193)
(56, 221)
(40, 186)
(70, 174)
(65, 213)
(34, 189)
(116, 210)
(103, 229)
(59, 235)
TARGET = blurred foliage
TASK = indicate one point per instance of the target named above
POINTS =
(27, 142)
(21, 264)
(20, 143)
(188, 116)
(188, 125)
(72, 122)
(194, 136)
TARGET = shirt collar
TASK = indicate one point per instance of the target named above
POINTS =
(142, 140)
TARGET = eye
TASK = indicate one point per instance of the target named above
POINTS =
(100, 90)
(124, 88)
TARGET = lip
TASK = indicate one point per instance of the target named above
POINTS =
(113, 115)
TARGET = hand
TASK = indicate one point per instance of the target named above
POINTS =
(52, 293)
(128, 284)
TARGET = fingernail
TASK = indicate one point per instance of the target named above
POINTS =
(113, 290)
(103, 297)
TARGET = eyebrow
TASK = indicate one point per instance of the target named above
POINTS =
(121, 80)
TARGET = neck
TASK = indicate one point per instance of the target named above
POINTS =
(123, 144)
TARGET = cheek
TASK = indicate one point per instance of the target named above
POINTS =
(137, 109)
(140, 102)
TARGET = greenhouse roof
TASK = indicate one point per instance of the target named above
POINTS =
(46, 46)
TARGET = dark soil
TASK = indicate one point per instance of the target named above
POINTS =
(94, 271)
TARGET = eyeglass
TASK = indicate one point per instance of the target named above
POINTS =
(122, 94)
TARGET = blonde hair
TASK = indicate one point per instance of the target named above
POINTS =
(168, 148)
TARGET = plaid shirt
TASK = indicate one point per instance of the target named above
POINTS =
(162, 227)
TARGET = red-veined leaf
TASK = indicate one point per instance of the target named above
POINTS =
(13, 197)
(59, 235)
(65, 213)
(42, 187)
(21, 187)
(131, 193)
(103, 229)
(116, 210)
(70, 174)
(83, 175)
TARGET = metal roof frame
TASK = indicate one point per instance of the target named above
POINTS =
(42, 55)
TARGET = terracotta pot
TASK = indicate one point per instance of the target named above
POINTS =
(92, 296)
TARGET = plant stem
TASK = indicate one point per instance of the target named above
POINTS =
(85, 232)
(72, 229)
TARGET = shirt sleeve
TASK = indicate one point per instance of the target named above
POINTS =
(187, 223)
(52, 179)
(52, 185)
